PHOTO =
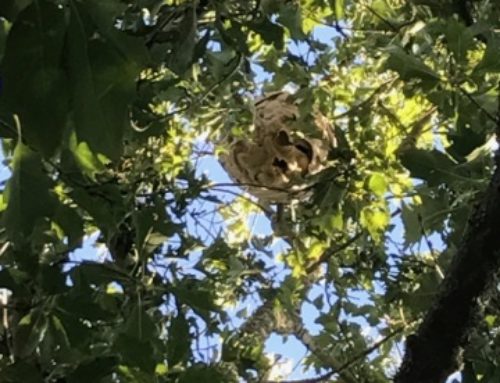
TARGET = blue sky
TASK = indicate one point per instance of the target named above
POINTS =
(292, 351)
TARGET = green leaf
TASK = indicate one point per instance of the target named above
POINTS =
(95, 273)
(153, 227)
(290, 16)
(204, 374)
(4, 30)
(375, 221)
(432, 166)
(84, 306)
(413, 228)
(71, 223)
(59, 333)
(77, 332)
(178, 343)
(28, 180)
(218, 249)
(270, 6)
(192, 293)
(339, 6)
(52, 280)
(136, 353)
(15, 281)
(234, 36)
(270, 32)
(490, 320)
(93, 370)
(9, 9)
(89, 162)
(102, 84)
(378, 184)
(129, 374)
(55, 347)
(21, 371)
(491, 58)
(328, 194)
(428, 216)
(180, 56)
(426, 285)
(464, 141)
(459, 38)
(409, 67)
(140, 325)
(103, 15)
(335, 221)
(34, 84)
(222, 63)
(104, 203)
(29, 333)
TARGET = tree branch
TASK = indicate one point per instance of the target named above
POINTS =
(266, 320)
(447, 324)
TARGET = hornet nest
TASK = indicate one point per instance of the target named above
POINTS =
(286, 147)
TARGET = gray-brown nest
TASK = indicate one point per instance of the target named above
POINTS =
(285, 149)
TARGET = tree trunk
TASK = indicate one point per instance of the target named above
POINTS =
(432, 353)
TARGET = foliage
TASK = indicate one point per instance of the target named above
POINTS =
(104, 106)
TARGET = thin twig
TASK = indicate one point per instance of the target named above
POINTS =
(498, 114)
(384, 20)
(330, 252)
(366, 101)
(361, 355)
(474, 101)
(248, 199)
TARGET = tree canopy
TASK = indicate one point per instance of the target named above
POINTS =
(121, 260)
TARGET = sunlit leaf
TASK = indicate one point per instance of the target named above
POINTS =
(377, 183)
(88, 161)
(338, 5)
(374, 220)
